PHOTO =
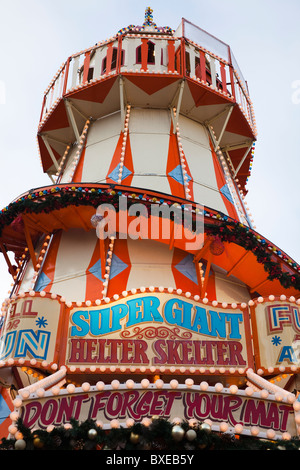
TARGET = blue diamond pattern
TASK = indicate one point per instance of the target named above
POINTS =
(187, 267)
(117, 266)
(225, 191)
(4, 410)
(176, 174)
(42, 282)
(96, 270)
(114, 175)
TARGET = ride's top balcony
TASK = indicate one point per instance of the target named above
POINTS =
(152, 63)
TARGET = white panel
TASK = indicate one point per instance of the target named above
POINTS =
(193, 131)
(102, 141)
(96, 61)
(154, 183)
(104, 128)
(202, 170)
(149, 155)
(209, 197)
(75, 65)
(130, 45)
(149, 121)
(97, 160)
(74, 254)
(150, 264)
(229, 291)
(149, 139)
(195, 143)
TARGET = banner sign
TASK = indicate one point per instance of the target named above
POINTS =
(30, 329)
(159, 330)
(277, 334)
(109, 405)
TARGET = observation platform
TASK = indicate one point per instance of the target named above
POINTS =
(187, 69)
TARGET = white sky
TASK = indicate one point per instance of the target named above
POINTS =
(37, 36)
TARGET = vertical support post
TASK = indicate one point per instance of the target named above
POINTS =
(119, 55)
(171, 56)
(109, 57)
(122, 104)
(183, 57)
(144, 54)
(202, 66)
(223, 76)
(178, 105)
(232, 82)
(86, 66)
(66, 76)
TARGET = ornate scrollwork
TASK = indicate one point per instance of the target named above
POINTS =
(151, 332)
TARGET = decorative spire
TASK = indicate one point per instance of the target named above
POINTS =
(149, 17)
(147, 26)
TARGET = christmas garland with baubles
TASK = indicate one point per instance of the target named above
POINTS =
(218, 225)
(159, 435)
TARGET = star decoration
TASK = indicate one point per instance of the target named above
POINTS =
(276, 340)
(41, 322)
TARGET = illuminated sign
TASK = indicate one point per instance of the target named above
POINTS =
(160, 330)
(30, 329)
(137, 404)
(277, 334)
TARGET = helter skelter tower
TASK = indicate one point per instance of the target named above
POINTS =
(125, 327)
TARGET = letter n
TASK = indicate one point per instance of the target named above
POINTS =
(35, 343)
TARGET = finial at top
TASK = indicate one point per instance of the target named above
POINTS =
(149, 17)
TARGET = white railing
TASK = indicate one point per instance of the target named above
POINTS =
(154, 54)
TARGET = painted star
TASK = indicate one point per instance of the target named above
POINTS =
(276, 340)
(41, 322)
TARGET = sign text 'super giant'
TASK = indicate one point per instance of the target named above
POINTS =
(159, 330)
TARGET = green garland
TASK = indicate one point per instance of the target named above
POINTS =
(227, 229)
(161, 435)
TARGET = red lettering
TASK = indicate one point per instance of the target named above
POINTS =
(112, 351)
(231, 404)
(52, 411)
(235, 353)
(158, 404)
(130, 399)
(98, 404)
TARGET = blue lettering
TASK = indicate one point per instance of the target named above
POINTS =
(102, 317)
(118, 312)
(151, 312)
(135, 311)
(234, 319)
(146, 309)
(288, 353)
(181, 315)
(81, 323)
(200, 321)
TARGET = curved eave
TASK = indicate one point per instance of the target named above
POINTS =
(247, 255)
(93, 100)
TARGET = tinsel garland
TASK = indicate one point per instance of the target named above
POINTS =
(160, 435)
(227, 229)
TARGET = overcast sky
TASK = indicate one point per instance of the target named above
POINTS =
(37, 36)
